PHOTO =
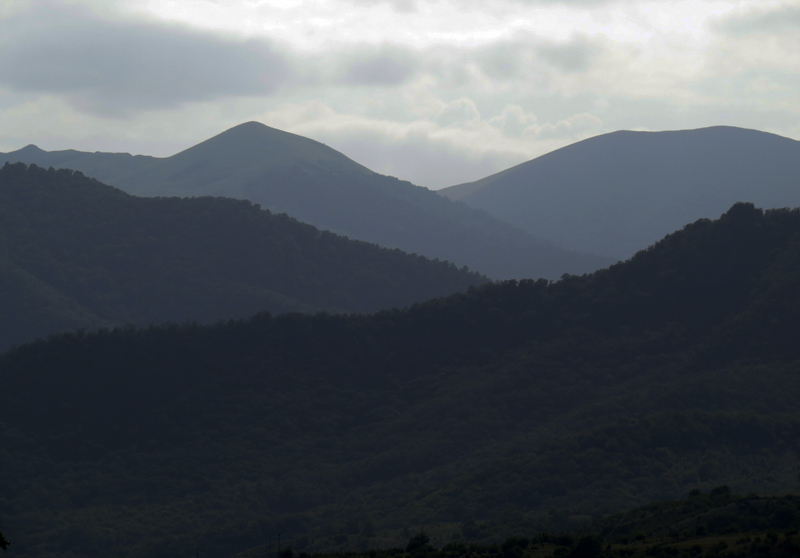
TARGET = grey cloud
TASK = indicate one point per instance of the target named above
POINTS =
(115, 67)
(744, 87)
(779, 20)
(382, 66)
(503, 60)
(120, 67)
(509, 59)
(576, 56)
(457, 113)
(412, 5)
(400, 6)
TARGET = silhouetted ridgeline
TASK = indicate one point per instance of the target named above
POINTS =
(517, 406)
(617, 193)
(310, 181)
(75, 253)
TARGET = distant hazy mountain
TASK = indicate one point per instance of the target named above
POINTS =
(618, 193)
(318, 185)
(75, 253)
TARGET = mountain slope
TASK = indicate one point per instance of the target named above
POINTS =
(288, 173)
(618, 193)
(75, 253)
(524, 403)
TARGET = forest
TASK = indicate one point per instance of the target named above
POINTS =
(511, 409)
(713, 524)
(77, 254)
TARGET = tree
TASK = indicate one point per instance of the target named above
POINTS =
(3, 542)
(587, 547)
(420, 540)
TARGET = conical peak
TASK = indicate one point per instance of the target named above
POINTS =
(30, 148)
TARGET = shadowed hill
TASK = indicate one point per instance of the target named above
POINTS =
(318, 185)
(75, 253)
(716, 523)
(522, 403)
(618, 193)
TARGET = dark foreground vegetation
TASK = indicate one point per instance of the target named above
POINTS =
(512, 409)
(704, 525)
(75, 253)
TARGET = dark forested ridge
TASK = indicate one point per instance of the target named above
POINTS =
(75, 253)
(618, 193)
(712, 524)
(513, 408)
(313, 183)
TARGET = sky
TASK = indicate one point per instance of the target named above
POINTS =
(438, 92)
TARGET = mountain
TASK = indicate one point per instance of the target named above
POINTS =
(313, 183)
(524, 406)
(77, 254)
(618, 193)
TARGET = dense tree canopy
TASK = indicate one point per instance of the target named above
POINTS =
(75, 253)
(511, 408)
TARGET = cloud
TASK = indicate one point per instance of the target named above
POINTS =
(514, 121)
(576, 125)
(526, 62)
(399, 6)
(575, 56)
(779, 20)
(509, 59)
(504, 60)
(115, 67)
(405, 6)
(122, 66)
(752, 43)
(382, 65)
(458, 113)
(9, 8)
(118, 67)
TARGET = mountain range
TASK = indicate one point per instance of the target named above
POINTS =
(524, 405)
(618, 193)
(78, 254)
(315, 184)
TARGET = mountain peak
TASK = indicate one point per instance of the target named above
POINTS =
(251, 124)
(253, 131)
(250, 128)
(29, 149)
(256, 143)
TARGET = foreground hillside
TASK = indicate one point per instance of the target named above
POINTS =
(618, 193)
(75, 253)
(712, 524)
(526, 406)
(313, 183)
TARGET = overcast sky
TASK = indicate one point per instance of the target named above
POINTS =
(438, 92)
